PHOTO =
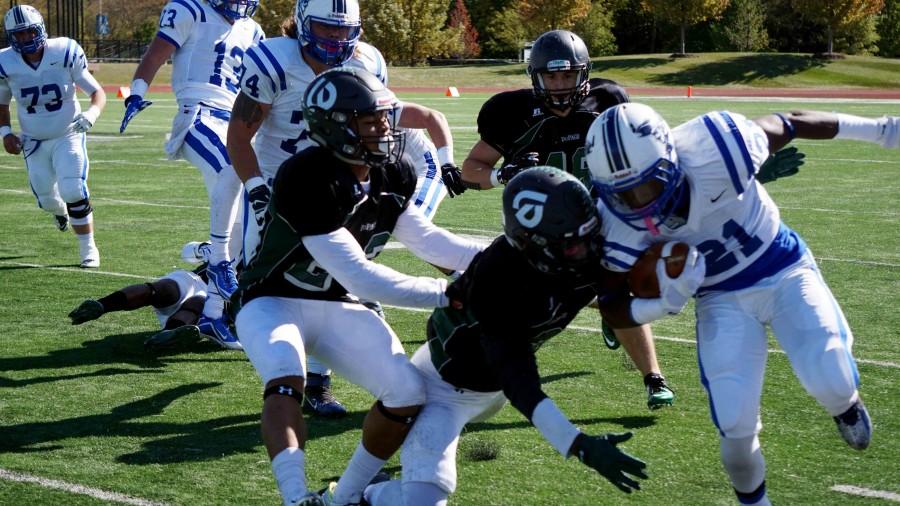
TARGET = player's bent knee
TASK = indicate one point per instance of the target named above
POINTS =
(405, 415)
(829, 376)
(404, 387)
(72, 190)
(78, 209)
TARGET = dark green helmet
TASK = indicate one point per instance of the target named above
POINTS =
(332, 103)
(560, 51)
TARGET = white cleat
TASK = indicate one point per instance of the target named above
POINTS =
(195, 252)
(90, 259)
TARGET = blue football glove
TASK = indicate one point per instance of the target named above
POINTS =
(601, 454)
(133, 105)
(782, 163)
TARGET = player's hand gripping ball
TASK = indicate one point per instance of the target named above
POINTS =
(642, 276)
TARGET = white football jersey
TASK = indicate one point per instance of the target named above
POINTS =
(276, 74)
(45, 95)
(732, 220)
(209, 51)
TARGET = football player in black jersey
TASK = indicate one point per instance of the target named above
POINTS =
(332, 210)
(526, 287)
(547, 125)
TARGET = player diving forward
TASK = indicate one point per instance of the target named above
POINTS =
(321, 35)
(41, 73)
(518, 293)
(696, 184)
(208, 40)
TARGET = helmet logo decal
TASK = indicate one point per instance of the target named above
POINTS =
(558, 65)
(324, 95)
(529, 206)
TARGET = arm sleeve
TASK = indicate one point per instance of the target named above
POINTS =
(257, 81)
(339, 254)
(176, 22)
(433, 244)
(79, 70)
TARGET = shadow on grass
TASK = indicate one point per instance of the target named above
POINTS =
(740, 70)
(627, 422)
(627, 64)
(565, 375)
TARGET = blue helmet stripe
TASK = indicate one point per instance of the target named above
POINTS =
(339, 6)
(17, 13)
(612, 140)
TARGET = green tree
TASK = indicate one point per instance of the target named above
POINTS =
(385, 27)
(409, 31)
(836, 15)
(859, 37)
(540, 16)
(596, 29)
(271, 13)
(744, 25)
(889, 29)
(685, 13)
(508, 34)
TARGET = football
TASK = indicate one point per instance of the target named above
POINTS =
(642, 276)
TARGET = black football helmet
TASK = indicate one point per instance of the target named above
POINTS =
(332, 103)
(550, 217)
(560, 51)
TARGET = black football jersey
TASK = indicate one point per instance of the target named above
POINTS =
(511, 309)
(517, 122)
(314, 193)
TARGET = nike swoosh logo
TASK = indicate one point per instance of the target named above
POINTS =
(717, 198)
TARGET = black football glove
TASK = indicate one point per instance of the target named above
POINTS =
(519, 163)
(601, 454)
(782, 163)
(452, 177)
(456, 293)
(259, 201)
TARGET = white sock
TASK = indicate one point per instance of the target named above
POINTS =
(218, 249)
(420, 493)
(386, 493)
(214, 305)
(290, 475)
(362, 468)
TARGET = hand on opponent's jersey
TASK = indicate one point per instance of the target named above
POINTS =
(520, 163)
(675, 292)
(133, 105)
(12, 144)
(601, 454)
(452, 177)
(258, 194)
(783, 163)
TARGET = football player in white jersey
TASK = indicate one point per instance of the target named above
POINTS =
(41, 73)
(697, 184)
(206, 40)
(321, 34)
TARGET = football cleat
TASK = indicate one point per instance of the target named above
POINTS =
(658, 392)
(86, 311)
(62, 222)
(90, 257)
(855, 426)
(223, 277)
(327, 493)
(196, 252)
(609, 336)
(170, 337)
(318, 399)
(217, 331)
(310, 499)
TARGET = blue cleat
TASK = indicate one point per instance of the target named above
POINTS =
(217, 331)
(855, 426)
(223, 277)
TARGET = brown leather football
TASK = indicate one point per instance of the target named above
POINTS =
(642, 276)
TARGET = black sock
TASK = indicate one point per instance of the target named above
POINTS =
(174, 323)
(116, 301)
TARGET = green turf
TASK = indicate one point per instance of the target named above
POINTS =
(86, 405)
(704, 69)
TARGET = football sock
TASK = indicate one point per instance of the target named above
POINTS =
(362, 468)
(288, 468)
(214, 305)
(420, 492)
(758, 497)
(218, 249)
(386, 493)
(116, 301)
(745, 465)
(85, 241)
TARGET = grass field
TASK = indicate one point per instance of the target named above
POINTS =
(88, 406)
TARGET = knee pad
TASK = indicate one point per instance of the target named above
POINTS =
(736, 416)
(829, 375)
(79, 209)
(286, 390)
(743, 461)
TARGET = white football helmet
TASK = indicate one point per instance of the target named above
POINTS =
(341, 13)
(23, 18)
(235, 9)
(631, 156)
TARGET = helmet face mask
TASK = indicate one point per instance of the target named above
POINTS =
(235, 9)
(634, 166)
(350, 112)
(559, 51)
(549, 216)
(316, 18)
(25, 19)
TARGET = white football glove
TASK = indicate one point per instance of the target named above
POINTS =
(675, 292)
(890, 137)
(85, 120)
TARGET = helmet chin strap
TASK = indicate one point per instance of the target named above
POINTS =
(648, 221)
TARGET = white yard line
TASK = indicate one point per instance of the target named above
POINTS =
(75, 488)
(866, 492)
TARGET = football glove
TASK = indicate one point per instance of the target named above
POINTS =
(675, 292)
(782, 163)
(601, 454)
(84, 121)
(520, 163)
(133, 105)
(259, 195)
(456, 293)
(452, 177)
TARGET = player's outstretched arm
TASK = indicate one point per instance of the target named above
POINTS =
(159, 51)
(602, 454)
(478, 166)
(420, 117)
(247, 116)
(781, 128)
(783, 163)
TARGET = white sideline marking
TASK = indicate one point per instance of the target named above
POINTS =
(116, 201)
(75, 269)
(74, 488)
(866, 492)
